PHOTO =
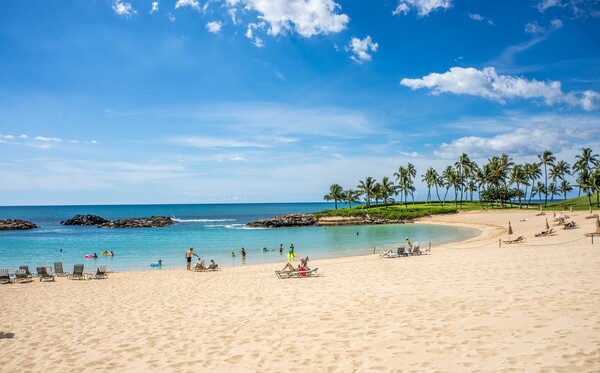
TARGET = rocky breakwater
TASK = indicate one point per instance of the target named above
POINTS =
(304, 220)
(151, 222)
(16, 225)
(292, 220)
(85, 220)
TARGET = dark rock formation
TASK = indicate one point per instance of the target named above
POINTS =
(154, 221)
(303, 220)
(16, 224)
(85, 220)
(293, 220)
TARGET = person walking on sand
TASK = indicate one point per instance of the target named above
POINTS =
(188, 257)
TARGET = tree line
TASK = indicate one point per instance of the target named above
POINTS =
(500, 179)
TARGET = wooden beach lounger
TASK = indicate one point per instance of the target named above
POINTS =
(78, 273)
(516, 240)
(58, 269)
(546, 233)
(296, 273)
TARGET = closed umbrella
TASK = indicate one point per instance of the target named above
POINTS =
(570, 208)
(553, 213)
(547, 225)
(597, 222)
(510, 231)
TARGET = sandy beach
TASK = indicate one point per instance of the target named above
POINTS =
(469, 306)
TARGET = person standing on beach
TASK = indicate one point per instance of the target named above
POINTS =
(188, 257)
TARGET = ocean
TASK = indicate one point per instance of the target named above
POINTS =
(213, 230)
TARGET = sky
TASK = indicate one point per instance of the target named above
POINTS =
(244, 101)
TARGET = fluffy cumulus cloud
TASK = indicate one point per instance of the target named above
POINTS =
(305, 17)
(154, 8)
(214, 27)
(123, 9)
(422, 7)
(194, 4)
(487, 83)
(362, 49)
(521, 141)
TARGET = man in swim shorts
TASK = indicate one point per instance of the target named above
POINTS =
(188, 257)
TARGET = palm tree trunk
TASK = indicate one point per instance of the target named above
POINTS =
(438, 193)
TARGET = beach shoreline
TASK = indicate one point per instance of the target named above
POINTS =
(468, 306)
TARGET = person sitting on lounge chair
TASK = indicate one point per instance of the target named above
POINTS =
(212, 265)
(200, 265)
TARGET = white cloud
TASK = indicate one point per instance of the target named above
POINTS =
(536, 29)
(47, 139)
(7, 137)
(214, 27)
(252, 36)
(476, 17)
(362, 49)
(154, 8)
(545, 4)
(171, 17)
(123, 9)
(194, 4)
(423, 7)
(305, 17)
(488, 84)
(23, 136)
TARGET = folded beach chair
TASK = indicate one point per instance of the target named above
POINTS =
(101, 272)
(58, 269)
(302, 272)
(4, 276)
(22, 276)
(45, 273)
(78, 273)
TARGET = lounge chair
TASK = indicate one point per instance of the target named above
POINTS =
(546, 233)
(516, 240)
(22, 276)
(26, 269)
(4, 276)
(592, 234)
(45, 273)
(570, 225)
(101, 272)
(387, 254)
(58, 269)
(424, 251)
(302, 272)
(78, 273)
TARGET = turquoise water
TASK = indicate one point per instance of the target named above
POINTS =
(213, 230)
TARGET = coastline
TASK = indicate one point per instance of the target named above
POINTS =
(469, 306)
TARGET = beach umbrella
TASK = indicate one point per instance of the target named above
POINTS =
(597, 222)
(510, 231)
(547, 225)
(570, 208)
(554, 213)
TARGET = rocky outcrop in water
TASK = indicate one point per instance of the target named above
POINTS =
(85, 220)
(304, 220)
(16, 225)
(151, 222)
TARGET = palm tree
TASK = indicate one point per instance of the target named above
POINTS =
(366, 187)
(336, 193)
(447, 179)
(585, 161)
(377, 193)
(533, 173)
(411, 173)
(430, 178)
(387, 188)
(546, 159)
(400, 180)
(539, 189)
(519, 178)
(463, 165)
(564, 187)
(351, 196)
(553, 190)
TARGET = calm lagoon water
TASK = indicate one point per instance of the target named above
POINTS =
(213, 230)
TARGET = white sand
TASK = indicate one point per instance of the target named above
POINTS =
(469, 306)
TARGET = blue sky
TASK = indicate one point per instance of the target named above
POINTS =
(191, 101)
